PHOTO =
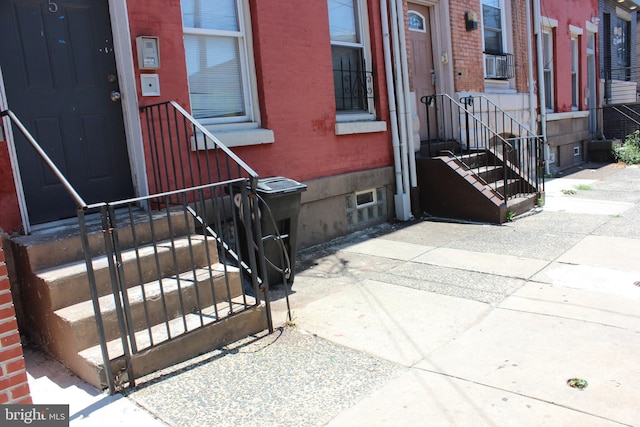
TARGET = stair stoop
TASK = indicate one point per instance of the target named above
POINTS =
(189, 308)
(180, 349)
(79, 322)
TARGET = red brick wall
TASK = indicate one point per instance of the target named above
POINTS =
(295, 85)
(466, 46)
(14, 387)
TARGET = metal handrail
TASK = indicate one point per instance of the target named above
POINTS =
(504, 113)
(65, 182)
(253, 175)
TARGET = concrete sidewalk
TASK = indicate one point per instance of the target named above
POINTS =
(428, 323)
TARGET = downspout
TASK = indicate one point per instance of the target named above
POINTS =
(400, 196)
(541, 89)
(405, 201)
(407, 119)
(532, 92)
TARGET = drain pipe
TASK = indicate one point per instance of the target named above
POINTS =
(532, 92)
(541, 89)
(395, 141)
(396, 93)
(407, 119)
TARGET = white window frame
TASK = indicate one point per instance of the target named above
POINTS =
(576, 38)
(247, 68)
(502, 27)
(506, 40)
(575, 73)
(362, 28)
(548, 60)
(422, 19)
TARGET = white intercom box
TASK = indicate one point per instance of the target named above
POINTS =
(148, 52)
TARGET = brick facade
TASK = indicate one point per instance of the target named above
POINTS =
(14, 387)
(466, 49)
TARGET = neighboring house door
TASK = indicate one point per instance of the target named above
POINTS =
(422, 65)
(60, 79)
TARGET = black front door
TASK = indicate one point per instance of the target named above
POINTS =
(59, 71)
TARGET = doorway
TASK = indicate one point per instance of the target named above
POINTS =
(60, 78)
(422, 65)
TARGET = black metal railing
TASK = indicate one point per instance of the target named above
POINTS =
(167, 264)
(499, 66)
(172, 270)
(184, 154)
(353, 86)
(487, 150)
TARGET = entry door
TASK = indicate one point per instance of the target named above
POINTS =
(422, 65)
(60, 74)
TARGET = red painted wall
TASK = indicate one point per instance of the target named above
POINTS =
(295, 83)
(10, 220)
(576, 13)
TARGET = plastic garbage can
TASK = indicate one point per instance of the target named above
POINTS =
(279, 223)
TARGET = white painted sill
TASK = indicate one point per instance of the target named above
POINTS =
(567, 115)
(235, 138)
(369, 126)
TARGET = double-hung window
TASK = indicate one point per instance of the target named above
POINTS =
(215, 41)
(352, 75)
(548, 62)
(498, 64)
(575, 76)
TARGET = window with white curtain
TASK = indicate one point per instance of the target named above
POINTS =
(217, 61)
(353, 81)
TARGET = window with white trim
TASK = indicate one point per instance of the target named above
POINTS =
(218, 60)
(575, 79)
(492, 26)
(547, 66)
(498, 64)
(352, 75)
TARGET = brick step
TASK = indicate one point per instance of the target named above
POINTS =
(155, 302)
(69, 284)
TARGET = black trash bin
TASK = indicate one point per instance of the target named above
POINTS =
(279, 223)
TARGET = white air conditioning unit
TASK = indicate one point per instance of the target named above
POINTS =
(495, 66)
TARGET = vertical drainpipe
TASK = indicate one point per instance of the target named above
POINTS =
(541, 91)
(401, 212)
(532, 92)
(405, 201)
(407, 119)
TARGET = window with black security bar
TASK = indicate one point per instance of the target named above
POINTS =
(353, 82)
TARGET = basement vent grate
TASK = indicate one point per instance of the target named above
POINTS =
(366, 206)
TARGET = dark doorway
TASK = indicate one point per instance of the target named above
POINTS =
(59, 71)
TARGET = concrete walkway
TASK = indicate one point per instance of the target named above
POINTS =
(431, 323)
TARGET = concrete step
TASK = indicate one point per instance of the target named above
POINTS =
(61, 244)
(150, 304)
(173, 343)
(69, 284)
